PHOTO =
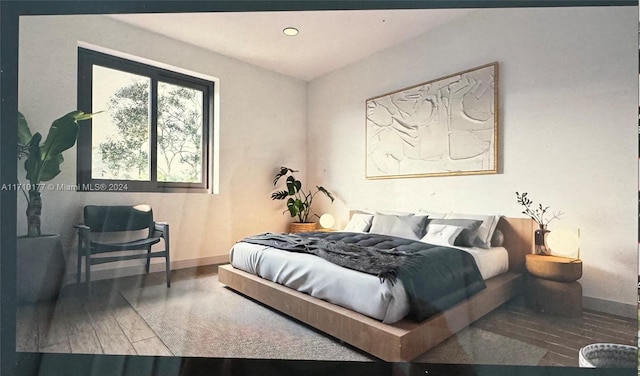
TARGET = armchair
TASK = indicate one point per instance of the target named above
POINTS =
(120, 219)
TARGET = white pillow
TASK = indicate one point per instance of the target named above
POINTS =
(442, 234)
(386, 212)
(403, 226)
(432, 215)
(485, 232)
(359, 223)
(394, 212)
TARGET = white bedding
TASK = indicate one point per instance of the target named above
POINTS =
(348, 288)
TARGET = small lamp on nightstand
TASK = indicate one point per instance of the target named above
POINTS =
(564, 242)
(327, 221)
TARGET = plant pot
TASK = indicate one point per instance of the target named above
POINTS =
(40, 268)
(302, 227)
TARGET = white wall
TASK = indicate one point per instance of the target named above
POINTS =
(568, 97)
(259, 132)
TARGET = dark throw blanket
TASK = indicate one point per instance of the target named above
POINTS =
(434, 277)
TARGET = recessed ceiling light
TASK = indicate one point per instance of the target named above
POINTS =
(290, 31)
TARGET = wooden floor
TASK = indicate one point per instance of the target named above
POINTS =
(107, 324)
(561, 337)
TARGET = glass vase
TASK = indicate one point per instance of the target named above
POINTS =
(540, 240)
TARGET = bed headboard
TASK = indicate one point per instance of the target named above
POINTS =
(518, 240)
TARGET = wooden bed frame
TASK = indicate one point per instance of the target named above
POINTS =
(404, 340)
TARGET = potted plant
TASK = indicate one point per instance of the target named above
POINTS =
(40, 260)
(298, 201)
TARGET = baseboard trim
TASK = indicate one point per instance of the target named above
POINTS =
(127, 271)
(607, 306)
(192, 263)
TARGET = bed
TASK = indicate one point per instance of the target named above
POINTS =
(383, 331)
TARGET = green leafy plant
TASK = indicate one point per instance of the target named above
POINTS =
(298, 201)
(43, 159)
(537, 214)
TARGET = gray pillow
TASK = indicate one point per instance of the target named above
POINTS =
(497, 239)
(403, 226)
(469, 229)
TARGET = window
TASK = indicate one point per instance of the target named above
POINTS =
(153, 133)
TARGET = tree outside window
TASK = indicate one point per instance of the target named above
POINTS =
(154, 132)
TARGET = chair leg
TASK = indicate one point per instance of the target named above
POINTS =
(146, 267)
(81, 251)
(79, 271)
(168, 268)
(87, 273)
(167, 257)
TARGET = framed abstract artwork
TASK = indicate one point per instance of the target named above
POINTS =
(447, 126)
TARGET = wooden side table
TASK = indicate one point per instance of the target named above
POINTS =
(552, 286)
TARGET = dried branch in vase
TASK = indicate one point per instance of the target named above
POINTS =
(537, 214)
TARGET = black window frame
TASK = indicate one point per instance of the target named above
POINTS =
(85, 182)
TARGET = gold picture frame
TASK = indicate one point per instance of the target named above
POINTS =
(447, 126)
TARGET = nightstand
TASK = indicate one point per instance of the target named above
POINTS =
(551, 286)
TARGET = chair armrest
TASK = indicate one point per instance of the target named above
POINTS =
(162, 228)
(83, 230)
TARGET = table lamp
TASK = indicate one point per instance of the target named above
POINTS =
(327, 221)
(564, 242)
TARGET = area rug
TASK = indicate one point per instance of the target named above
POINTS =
(199, 317)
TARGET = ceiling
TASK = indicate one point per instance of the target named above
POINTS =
(327, 40)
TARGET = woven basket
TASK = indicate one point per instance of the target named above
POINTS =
(608, 355)
(302, 227)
